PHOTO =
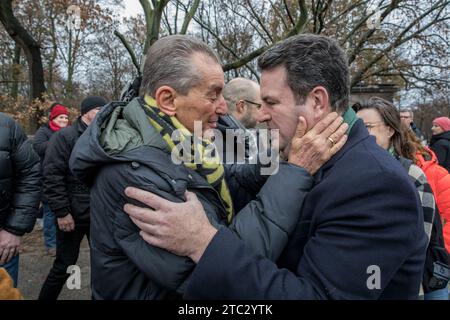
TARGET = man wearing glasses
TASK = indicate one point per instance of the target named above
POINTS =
(407, 117)
(243, 100)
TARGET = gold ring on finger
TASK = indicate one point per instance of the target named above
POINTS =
(332, 141)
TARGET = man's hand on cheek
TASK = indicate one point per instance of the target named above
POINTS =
(181, 228)
(312, 149)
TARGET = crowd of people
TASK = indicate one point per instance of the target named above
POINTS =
(358, 207)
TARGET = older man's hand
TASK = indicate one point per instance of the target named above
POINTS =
(181, 228)
(9, 246)
(311, 150)
(66, 224)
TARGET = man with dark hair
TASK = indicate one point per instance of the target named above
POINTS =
(138, 143)
(20, 191)
(360, 233)
(67, 197)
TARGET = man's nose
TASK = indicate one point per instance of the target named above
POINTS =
(262, 115)
(222, 107)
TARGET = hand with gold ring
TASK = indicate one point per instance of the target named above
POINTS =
(332, 141)
(311, 149)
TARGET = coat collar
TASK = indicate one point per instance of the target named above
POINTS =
(357, 134)
(443, 136)
(80, 125)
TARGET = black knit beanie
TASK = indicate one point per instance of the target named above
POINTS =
(92, 102)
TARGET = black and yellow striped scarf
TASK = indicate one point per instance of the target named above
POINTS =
(209, 165)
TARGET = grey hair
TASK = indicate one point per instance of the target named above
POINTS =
(239, 89)
(169, 62)
(409, 110)
(310, 61)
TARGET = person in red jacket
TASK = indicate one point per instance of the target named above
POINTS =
(439, 180)
(59, 118)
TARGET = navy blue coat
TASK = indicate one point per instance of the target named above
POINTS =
(363, 212)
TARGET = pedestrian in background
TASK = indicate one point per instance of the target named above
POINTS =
(440, 141)
(382, 120)
(59, 118)
(68, 198)
(20, 191)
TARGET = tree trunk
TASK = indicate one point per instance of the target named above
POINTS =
(152, 20)
(53, 57)
(69, 82)
(32, 52)
(16, 72)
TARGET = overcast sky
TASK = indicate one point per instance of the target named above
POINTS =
(132, 8)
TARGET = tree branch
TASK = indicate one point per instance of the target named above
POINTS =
(30, 47)
(188, 16)
(257, 18)
(149, 16)
(249, 22)
(400, 40)
(246, 59)
(288, 12)
(300, 25)
(369, 33)
(277, 12)
(347, 10)
(129, 49)
(252, 55)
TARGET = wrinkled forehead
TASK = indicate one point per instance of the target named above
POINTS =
(208, 69)
(406, 114)
(205, 63)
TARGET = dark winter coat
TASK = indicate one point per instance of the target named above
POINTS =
(440, 144)
(20, 179)
(360, 236)
(41, 139)
(40, 143)
(65, 193)
(122, 149)
(240, 148)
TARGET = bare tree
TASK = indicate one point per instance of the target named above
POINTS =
(29, 46)
(401, 42)
(110, 69)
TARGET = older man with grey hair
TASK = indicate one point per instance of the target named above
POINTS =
(243, 100)
(151, 143)
(407, 117)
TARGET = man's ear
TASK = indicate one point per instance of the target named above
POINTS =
(321, 102)
(165, 99)
(240, 107)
